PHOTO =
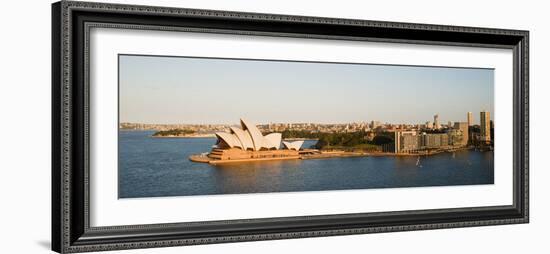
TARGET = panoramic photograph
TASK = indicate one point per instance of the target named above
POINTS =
(212, 126)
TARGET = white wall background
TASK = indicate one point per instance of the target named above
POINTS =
(25, 125)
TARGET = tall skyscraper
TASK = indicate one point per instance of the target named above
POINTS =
(485, 124)
(437, 125)
(470, 119)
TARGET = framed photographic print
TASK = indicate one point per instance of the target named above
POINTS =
(182, 126)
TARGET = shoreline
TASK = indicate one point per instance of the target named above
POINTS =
(322, 155)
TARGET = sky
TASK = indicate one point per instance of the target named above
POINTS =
(170, 90)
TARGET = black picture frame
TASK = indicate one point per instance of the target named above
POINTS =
(71, 22)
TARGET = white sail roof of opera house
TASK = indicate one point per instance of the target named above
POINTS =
(293, 145)
(255, 133)
(273, 140)
(230, 139)
(244, 138)
(249, 137)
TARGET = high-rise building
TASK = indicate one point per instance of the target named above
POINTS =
(463, 127)
(485, 126)
(470, 119)
(436, 122)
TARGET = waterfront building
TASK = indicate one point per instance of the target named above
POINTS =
(409, 143)
(462, 127)
(474, 133)
(413, 142)
(443, 140)
(437, 125)
(434, 140)
(248, 143)
(485, 127)
(455, 137)
(406, 141)
(470, 119)
(248, 137)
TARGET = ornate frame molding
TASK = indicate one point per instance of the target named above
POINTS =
(71, 22)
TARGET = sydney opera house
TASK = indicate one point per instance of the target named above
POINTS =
(248, 143)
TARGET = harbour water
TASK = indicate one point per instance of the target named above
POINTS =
(160, 167)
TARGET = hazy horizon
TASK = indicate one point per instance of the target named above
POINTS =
(182, 90)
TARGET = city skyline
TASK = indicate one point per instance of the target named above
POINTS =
(372, 126)
(180, 90)
(321, 123)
